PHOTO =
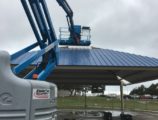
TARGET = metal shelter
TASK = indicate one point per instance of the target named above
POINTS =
(86, 66)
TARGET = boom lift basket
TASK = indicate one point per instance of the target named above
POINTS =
(83, 34)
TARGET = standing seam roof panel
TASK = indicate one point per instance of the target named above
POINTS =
(92, 58)
(140, 61)
(87, 55)
(99, 57)
(113, 61)
(131, 61)
(116, 59)
(121, 59)
(152, 61)
(105, 58)
(96, 57)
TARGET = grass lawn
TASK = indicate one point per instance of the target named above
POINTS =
(102, 102)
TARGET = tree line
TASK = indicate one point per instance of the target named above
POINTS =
(142, 90)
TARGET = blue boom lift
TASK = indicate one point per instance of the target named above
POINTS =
(42, 26)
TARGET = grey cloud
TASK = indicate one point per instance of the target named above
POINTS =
(15, 30)
(125, 26)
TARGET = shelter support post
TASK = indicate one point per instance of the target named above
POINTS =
(85, 95)
(123, 82)
(121, 95)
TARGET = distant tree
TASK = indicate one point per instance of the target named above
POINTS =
(139, 91)
(73, 89)
(134, 91)
(152, 90)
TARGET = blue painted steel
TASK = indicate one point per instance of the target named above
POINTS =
(49, 68)
(40, 21)
(23, 51)
(69, 12)
(100, 57)
(48, 18)
(77, 29)
(36, 70)
(28, 61)
(30, 74)
(32, 23)
(66, 7)
(70, 42)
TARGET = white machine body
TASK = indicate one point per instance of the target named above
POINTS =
(22, 99)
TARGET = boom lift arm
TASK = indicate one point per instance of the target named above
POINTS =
(42, 26)
(69, 12)
(41, 23)
(75, 30)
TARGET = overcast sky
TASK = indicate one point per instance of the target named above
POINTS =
(124, 25)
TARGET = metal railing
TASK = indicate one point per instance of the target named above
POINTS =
(65, 34)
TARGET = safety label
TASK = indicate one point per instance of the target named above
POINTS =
(41, 94)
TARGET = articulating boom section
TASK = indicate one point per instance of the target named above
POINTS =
(42, 27)
(69, 12)
(76, 32)
(40, 21)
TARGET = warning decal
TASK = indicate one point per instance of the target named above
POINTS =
(41, 94)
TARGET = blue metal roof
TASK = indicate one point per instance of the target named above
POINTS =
(96, 57)
(25, 57)
(97, 66)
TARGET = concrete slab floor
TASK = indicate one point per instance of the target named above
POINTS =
(94, 115)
